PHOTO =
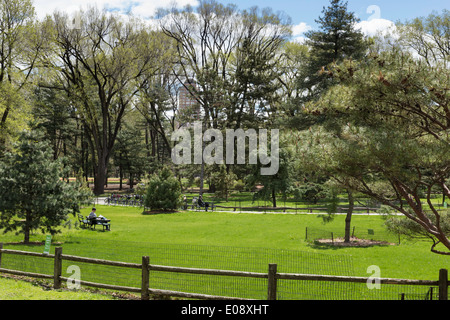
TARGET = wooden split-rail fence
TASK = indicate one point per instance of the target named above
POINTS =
(145, 291)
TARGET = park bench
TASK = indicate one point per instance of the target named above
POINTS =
(83, 221)
(105, 223)
(197, 206)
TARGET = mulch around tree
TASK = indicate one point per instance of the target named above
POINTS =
(354, 242)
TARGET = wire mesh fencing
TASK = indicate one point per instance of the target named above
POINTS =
(220, 258)
(196, 256)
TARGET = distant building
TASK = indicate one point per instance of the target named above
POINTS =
(188, 106)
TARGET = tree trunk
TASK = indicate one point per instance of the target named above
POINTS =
(120, 172)
(202, 174)
(274, 198)
(131, 183)
(100, 176)
(348, 218)
(3, 128)
(26, 228)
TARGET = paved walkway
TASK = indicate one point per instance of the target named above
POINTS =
(101, 201)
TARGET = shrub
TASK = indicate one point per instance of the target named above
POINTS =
(163, 191)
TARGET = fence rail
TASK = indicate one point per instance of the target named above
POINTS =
(272, 276)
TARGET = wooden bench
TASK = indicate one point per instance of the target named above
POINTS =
(105, 223)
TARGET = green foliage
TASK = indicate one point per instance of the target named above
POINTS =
(233, 55)
(85, 194)
(416, 35)
(412, 230)
(311, 192)
(223, 181)
(336, 40)
(163, 191)
(130, 153)
(274, 185)
(33, 195)
(52, 112)
(19, 46)
(385, 132)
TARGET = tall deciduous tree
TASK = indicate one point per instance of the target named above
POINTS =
(231, 55)
(20, 46)
(100, 66)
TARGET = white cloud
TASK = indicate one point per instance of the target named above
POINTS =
(141, 8)
(147, 9)
(299, 30)
(376, 27)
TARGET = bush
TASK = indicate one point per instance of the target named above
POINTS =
(163, 191)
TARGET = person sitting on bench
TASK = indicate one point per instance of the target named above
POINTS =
(94, 220)
(92, 215)
(201, 203)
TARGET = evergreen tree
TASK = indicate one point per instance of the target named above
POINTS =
(163, 191)
(32, 194)
(130, 153)
(337, 39)
(387, 135)
(274, 185)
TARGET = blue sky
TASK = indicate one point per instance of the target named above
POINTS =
(308, 10)
(302, 12)
(375, 15)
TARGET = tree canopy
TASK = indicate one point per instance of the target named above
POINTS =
(386, 133)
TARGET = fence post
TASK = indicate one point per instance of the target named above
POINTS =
(443, 284)
(145, 278)
(272, 282)
(57, 268)
(1, 247)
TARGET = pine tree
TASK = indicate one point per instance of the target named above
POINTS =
(33, 195)
(163, 191)
(337, 39)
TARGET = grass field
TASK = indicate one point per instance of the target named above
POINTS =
(17, 289)
(130, 228)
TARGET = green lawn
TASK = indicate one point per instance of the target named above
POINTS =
(130, 228)
(277, 231)
(13, 289)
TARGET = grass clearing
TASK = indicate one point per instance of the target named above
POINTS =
(131, 231)
(18, 289)
(276, 231)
